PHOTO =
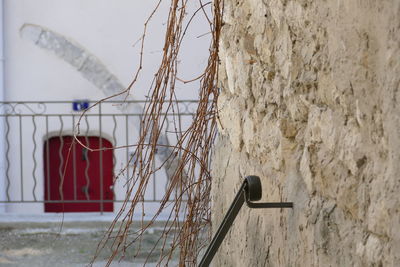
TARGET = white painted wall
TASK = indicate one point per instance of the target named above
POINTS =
(109, 30)
(2, 143)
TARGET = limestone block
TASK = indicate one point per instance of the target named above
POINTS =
(94, 72)
(31, 32)
(306, 171)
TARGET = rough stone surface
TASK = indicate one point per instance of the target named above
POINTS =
(310, 103)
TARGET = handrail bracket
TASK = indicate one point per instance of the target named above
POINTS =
(250, 190)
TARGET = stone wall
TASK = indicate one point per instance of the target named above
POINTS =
(310, 102)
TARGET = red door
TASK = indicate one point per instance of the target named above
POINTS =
(78, 180)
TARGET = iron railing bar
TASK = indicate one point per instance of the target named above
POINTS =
(60, 168)
(74, 159)
(167, 123)
(114, 157)
(101, 161)
(48, 157)
(34, 158)
(21, 158)
(154, 180)
(153, 167)
(87, 178)
(8, 159)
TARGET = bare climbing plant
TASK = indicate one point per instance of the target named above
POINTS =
(190, 182)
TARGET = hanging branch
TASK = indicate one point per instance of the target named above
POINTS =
(188, 160)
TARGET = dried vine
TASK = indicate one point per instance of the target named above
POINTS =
(189, 184)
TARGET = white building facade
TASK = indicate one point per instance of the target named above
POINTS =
(59, 57)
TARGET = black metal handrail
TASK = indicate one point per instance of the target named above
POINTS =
(249, 191)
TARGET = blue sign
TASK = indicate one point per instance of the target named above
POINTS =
(80, 105)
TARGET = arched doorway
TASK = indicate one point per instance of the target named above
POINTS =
(78, 180)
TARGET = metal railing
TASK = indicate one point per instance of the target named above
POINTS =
(36, 139)
(249, 191)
